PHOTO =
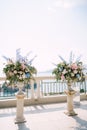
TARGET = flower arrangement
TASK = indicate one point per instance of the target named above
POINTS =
(19, 71)
(69, 72)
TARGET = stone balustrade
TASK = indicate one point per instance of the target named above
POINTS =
(37, 96)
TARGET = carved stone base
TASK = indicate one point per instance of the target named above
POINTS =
(19, 120)
(71, 113)
(20, 108)
(70, 109)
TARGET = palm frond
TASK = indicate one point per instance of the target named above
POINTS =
(6, 58)
(78, 58)
(28, 54)
(62, 59)
(54, 64)
(30, 61)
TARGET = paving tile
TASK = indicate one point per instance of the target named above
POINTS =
(45, 117)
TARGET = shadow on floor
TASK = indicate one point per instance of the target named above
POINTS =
(41, 109)
(82, 124)
(30, 110)
(22, 126)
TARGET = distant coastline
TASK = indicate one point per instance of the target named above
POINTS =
(45, 73)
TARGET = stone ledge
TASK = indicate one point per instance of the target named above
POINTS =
(43, 100)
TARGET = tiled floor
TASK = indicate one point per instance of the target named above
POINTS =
(45, 117)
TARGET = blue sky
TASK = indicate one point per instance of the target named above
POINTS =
(48, 28)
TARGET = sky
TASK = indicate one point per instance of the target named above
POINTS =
(47, 28)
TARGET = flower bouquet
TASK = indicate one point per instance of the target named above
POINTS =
(71, 71)
(19, 71)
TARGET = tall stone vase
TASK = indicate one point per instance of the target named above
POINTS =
(70, 95)
(20, 104)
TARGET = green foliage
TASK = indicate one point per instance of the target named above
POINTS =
(19, 71)
(70, 72)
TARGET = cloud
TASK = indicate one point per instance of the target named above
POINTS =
(69, 3)
(66, 4)
(62, 4)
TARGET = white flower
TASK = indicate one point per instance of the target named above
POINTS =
(64, 71)
(75, 71)
(69, 70)
(10, 73)
(20, 78)
(72, 74)
(21, 72)
(79, 78)
(15, 71)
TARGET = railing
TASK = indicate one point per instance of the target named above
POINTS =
(52, 88)
(43, 86)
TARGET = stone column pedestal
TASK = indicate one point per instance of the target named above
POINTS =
(70, 107)
(20, 108)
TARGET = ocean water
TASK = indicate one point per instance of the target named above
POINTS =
(58, 87)
(45, 73)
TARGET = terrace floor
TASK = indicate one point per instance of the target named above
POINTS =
(45, 117)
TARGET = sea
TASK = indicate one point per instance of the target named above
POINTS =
(49, 73)
(45, 73)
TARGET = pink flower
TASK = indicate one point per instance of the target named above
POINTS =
(74, 66)
(62, 77)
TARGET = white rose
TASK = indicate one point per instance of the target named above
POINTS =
(10, 73)
(15, 71)
(75, 71)
(64, 71)
(72, 74)
(20, 78)
(20, 72)
(69, 70)
(79, 78)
